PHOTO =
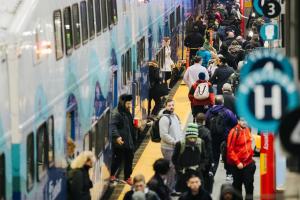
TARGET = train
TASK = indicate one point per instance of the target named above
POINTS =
(63, 64)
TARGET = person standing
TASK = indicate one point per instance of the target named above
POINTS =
(240, 158)
(194, 41)
(205, 55)
(169, 64)
(170, 133)
(191, 73)
(123, 138)
(196, 190)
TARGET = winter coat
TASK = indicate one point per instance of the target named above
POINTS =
(149, 194)
(194, 40)
(221, 76)
(229, 101)
(230, 59)
(157, 88)
(81, 184)
(156, 184)
(202, 195)
(205, 55)
(191, 74)
(205, 135)
(195, 102)
(122, 126)
(230, 120)
(239, 146)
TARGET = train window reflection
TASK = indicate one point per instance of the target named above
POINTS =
(84, 26)
(104, 14)
(2, 176)
(98, 16)
(58, 35)
(76, 25)
(91, 18)
(68, 30)
(30, 162)
(42, 153)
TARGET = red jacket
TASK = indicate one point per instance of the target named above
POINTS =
(239, 146)
(209, 101)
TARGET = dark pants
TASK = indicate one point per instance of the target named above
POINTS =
(208, 181)
(216, 154)
(121, 155)
(244, 176)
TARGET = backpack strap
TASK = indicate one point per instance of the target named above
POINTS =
(236, 137)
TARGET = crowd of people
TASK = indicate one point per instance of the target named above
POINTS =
(190, 157)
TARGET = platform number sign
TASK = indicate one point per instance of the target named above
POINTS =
(266, 92)
(271, 9)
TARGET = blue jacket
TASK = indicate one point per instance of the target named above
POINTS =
(205, 55)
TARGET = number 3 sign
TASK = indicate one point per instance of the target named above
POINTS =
(272, 9)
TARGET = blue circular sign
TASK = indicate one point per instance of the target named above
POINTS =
(269, 32)
(258, 59)
(258, 7)
(264, 96)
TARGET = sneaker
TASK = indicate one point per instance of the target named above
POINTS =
(229, 178)
(112, 178)
(129, 181)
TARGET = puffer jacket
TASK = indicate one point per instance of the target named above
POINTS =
(239, 146)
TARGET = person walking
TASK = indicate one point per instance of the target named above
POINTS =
(240, 158)
(196, 190)
(205, 55)
(229, 98)
(201, 95)
(79, 182)
(157, 183)
(139, 185)
(123, 138)
(170, 133)
(194, 41)
(191, 73)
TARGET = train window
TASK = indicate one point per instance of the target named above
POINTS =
(88, 141)
(128, 64)
(76, 25)
(41, 139)
(98, 16)
(84, 26)
(30, 162)
(50, 130)
(123, 69)
(91, 18)
(2, 176)
(172, 21)
(110, 13)
(101, 129)
(58, 35)
(178, 16)
(114, 11)
(141, 51)
(68, 30)
(104, 14)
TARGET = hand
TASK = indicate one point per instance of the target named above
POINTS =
(119, 141)
(240, 166)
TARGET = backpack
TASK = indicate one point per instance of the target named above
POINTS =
(217, 124)
(198, 145)
(154, 132)
(202, 91)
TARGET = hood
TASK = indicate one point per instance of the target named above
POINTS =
(216, 109)
(225, 188)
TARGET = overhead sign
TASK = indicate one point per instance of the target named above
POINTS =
(267, 90)
(271, 9)
(289, 132)
(269, 32)
(257, 4)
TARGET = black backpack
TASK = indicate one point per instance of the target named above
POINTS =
(217, 124)
(154, 132)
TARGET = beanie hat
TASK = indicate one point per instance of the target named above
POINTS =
(191, 130)
(201, 76)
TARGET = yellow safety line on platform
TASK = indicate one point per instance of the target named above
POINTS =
(152, 151)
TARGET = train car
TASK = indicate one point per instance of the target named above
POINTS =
(63, 65)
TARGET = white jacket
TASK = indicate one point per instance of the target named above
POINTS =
(191, 74)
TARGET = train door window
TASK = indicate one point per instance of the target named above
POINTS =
(172, 21)
(58, 35)
(98, 16)
(91, 19)
(2, 177)
(76, 25)
(104, 14)
(123, 69)
(88, 141)
(114, 11)
(68, 30)
(178, 16)
(128, 64)
(50, 130)
(110, 13)
(84, 26)
(106, 133)
(99, 133)
(41, 139)
(29, 162)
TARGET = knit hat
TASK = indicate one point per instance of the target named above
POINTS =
(201, 76)
(191, 130)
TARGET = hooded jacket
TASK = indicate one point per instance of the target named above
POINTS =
(228, 188)
(122, 125)
(221, 76)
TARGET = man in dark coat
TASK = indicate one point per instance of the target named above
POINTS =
(221, 74)
(194, 41)
(157, 184)
(196, 190)
(229, 99)
(123, 138)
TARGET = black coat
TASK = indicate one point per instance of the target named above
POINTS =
(205, 135)
(122, 126)
(202, 195)
(221, 76)
(150, 195)
(194, 40)
(81, 184)
(157, 88)
(229, 101)
(157, 185)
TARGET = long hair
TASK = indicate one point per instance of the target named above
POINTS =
(81, 159)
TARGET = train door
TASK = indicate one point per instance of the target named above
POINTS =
(72, 122)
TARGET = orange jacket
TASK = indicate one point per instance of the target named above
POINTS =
(239, 146)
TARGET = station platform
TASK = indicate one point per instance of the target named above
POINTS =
(152, 151)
